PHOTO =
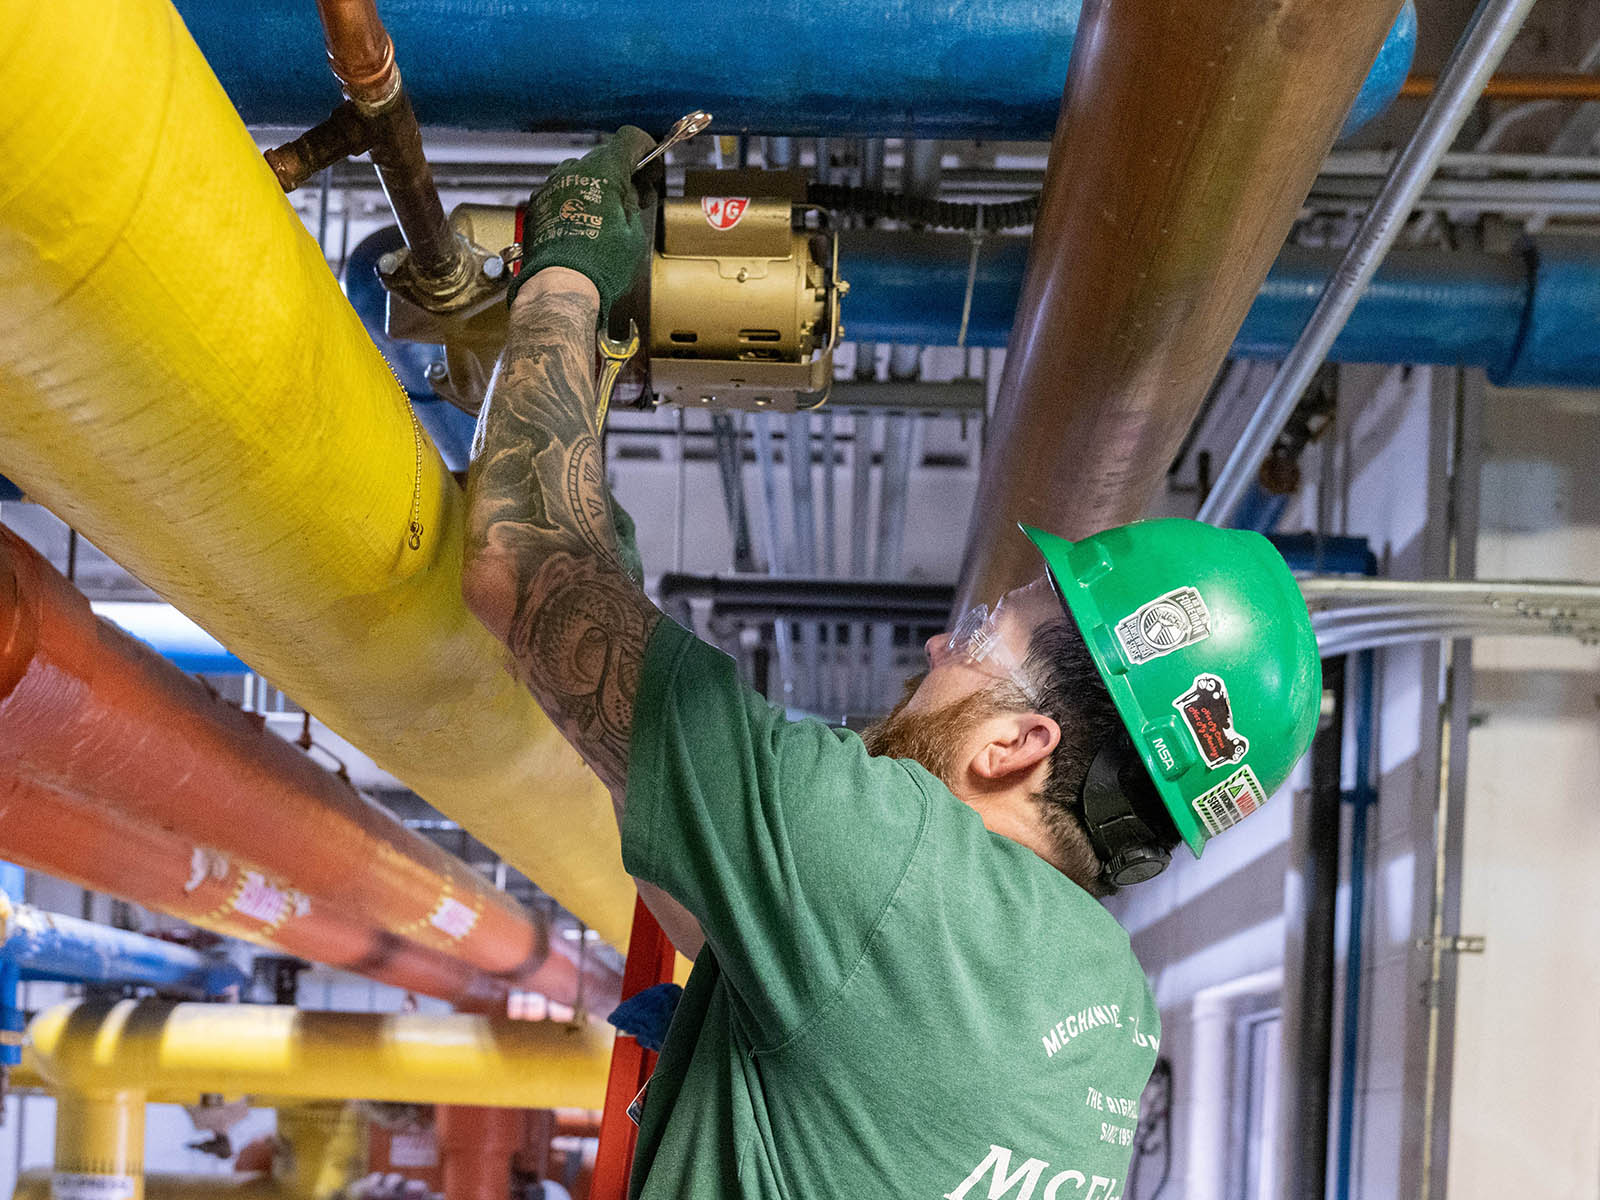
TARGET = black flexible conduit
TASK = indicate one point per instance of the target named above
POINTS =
(917, 210)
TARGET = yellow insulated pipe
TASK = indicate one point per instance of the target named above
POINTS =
(247, 1049)
(323, 1149)
(182, 380)
(99, 1147)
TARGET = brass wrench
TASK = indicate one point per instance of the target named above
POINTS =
(614, 355)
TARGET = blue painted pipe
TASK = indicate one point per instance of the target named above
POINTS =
(449, 427)
(838, 68)
(1362, 798)
(172, 635)
(1259, 509)
(13, 1021)
(1530, 318)
(1325, 556)
(43, 945)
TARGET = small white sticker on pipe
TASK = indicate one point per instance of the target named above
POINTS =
(453, 918)
(67, 1186)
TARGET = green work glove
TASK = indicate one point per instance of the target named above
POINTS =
(586, 217)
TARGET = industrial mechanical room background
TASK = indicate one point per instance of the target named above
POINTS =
(305, 800)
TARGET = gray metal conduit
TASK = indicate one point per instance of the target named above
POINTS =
(1384, 612)
(773, 527)
(797, 449)
(1480, 49)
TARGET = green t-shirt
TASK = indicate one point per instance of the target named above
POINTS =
(892, 1001)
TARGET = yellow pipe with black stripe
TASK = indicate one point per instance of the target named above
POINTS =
(182, 380)
(97, 1048)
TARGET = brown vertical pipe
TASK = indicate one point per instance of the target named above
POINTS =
(361, 54)
(476, 1146)
(533, 1157)
(90, 712)
(1190, 132)
(45, 831)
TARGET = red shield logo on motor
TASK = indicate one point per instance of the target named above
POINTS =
(723, 212)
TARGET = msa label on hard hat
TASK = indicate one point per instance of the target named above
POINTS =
(1167, 623)
(1230, 802)
(724, 212)
(1208, 716)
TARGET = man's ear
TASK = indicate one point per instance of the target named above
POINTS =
(1015, 744)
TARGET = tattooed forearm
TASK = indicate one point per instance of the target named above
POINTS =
(542, 568)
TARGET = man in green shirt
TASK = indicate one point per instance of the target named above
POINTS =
(907, 985)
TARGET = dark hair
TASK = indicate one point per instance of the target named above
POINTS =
(1068, 689)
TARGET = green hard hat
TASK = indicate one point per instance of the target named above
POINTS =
(1204, 641)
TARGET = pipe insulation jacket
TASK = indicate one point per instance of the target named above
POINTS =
(832, 68)
(184, 383)
(264, 1049)
(1531, 318)
(89, 711)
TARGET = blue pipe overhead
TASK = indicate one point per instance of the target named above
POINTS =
(828, 67)
(449, 427)
(1530, 318)
(44, 945)
(172, 635)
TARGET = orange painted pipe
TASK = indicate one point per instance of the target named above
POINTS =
(475, 1149)
(94, 848)
(90, 712)
(1518, 87)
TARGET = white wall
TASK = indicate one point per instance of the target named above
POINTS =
(1525, 1108)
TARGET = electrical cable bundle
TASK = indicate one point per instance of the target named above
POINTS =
(918, 210)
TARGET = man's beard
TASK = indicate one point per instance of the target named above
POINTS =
(934, 739)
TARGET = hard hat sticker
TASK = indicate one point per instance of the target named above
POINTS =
(1230, 802)
(723, 212)
(1167, 623)
(1209, 717)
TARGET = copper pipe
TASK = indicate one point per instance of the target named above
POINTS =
(1518, 87)
(439, 258)
(361, 54)
(1188, 136)
(90, 712)
(575, 1122)
(93, 847)
(343, 134)
(359, 50)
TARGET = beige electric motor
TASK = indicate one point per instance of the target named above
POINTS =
(744, 306)
(744, 300)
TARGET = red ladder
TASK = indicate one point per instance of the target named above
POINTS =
(651, 959)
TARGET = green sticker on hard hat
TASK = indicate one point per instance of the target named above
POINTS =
(1165, 624)
(1230, 802)
(1209, 718)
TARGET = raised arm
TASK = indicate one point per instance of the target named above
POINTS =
(543, 570)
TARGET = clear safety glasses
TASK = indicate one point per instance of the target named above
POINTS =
(994, 640)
